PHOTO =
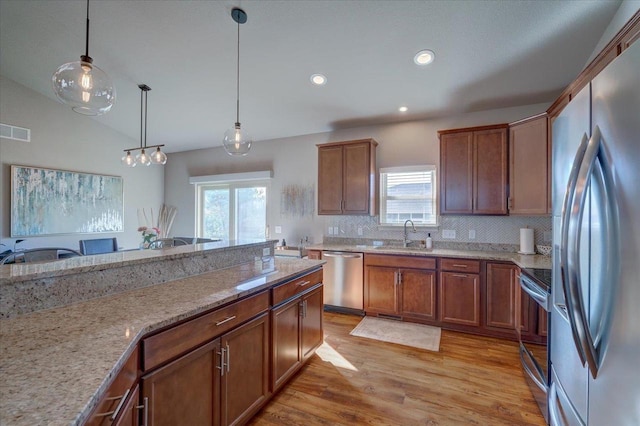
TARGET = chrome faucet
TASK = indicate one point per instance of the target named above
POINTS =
(406, 240)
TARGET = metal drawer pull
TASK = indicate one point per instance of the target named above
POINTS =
(460, 266)
(145, 406)
(302, 284)
(228, 357)
(460, 275)
(225, 320)
(222, 363)
(113, 414)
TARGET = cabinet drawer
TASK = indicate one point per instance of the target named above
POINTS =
(117, 392)
(289, 289)
(170, 343)
(416, 262)
(460, 265)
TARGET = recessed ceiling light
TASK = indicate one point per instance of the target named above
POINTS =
(318, 79)
(403, 109)
(424, 57)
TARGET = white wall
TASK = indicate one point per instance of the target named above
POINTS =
(63, 139)
(294, 161)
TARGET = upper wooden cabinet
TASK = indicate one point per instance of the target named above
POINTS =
(529, 178)
(347, 177)
(473, 169)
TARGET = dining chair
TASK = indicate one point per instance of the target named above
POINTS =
(98, 245)
(41, 254)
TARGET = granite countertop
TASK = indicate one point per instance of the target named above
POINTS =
(55, 364)
(521, 260)
(75, 265)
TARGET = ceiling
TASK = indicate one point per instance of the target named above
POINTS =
(489, 54)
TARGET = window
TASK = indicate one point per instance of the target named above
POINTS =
(232, 210)
(408, 193)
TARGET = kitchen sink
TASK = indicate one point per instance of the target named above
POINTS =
(291, 251)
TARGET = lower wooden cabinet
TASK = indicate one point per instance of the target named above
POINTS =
(460, 298)
(501, 296)
(400, 286)
(187, 390)
(244, 378)
(296, 331)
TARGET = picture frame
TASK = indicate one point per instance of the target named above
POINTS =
(47, 202)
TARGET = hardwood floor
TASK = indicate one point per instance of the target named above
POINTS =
(471, 381)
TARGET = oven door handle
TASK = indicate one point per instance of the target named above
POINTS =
(538, 378)
(537, 294)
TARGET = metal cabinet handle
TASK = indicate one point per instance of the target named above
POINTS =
(228, 358)
(226, 320)
(113, 414)
(399, 277)
(460, 275)
(538, 376)
(302, 284)
(460, 266)
(565, 268)
(581, 321)
(145, 413)
(222, 363)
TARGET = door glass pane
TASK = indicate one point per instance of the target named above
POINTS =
(251, 212)
(215, 214)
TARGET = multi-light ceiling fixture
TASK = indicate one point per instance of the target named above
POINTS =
(84, 86)
(158, 157)
(236, 141)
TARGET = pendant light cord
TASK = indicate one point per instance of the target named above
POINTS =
(146, 108)
(87, 37)
(141, 114)
(237, 80)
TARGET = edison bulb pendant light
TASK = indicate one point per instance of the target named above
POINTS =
(84, 86)
(237, 141)
(129, 160)
(143, 158)
(159, 157)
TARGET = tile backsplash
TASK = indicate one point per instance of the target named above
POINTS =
(504, 230)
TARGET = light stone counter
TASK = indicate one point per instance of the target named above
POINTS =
(55, 364)
(521, 260)
(30, 287)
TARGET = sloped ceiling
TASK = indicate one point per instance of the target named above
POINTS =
(489, 54)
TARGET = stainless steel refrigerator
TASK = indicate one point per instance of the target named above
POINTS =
(595, 317)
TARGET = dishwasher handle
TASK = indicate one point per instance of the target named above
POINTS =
(343, 255)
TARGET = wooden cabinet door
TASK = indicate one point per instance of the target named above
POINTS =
(311, 327)
(501, 296)
(490, 172)
(187, 390)
(528, 167)
(542, 321)
(131, 411)
(460, 298)
(418, 294)
(356, 178)
(380, 292)
(456, 171)
(285, 342)
(330, 180)
(314, 254)
(244, 384)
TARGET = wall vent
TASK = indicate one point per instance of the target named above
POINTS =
(15, 133)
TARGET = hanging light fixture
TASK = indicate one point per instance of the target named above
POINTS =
(158, 157)
(84, 86)
(236, 141)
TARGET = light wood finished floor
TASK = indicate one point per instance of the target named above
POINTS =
(350, 381)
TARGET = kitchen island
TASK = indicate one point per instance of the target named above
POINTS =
(57, 363)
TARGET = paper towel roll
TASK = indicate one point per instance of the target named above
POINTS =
(526, 241)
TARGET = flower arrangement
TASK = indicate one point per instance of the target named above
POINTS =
(149, 235)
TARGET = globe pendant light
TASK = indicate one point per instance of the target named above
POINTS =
(236, 141)
(158, 157)
(84, 86)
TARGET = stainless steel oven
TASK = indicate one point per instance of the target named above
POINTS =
(534, 354)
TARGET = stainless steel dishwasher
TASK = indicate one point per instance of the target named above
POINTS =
(343, 281)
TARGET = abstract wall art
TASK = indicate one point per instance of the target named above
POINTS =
(297, 200)
(53, 202)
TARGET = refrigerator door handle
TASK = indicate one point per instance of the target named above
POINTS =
(581, 321)
(564, 249)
